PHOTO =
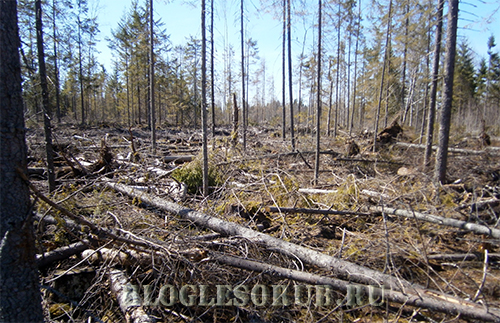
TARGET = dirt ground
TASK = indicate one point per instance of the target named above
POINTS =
(249, 188)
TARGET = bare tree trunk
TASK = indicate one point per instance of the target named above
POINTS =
(435, 75)
(56, 67)
(204, 98)
(80, 64)
(337, 101)
(152, 78)
(445, 120)
(47, 113)
(20, 299)
(290, 75)
(318, 99)
(212, 69)
(405, 61)
(386, 58)
(243, 96)
(283, 75)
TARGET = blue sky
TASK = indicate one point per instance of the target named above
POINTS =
(478, 20)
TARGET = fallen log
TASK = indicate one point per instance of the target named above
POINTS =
(377, 296)
(128, 298)
(323, 191)
(272, 209)
(489, 150)
(335, 155)
(341, 268)
(473, 227)
(61, 253)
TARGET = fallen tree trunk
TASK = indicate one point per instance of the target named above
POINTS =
(430, 301)
(128, 298)
(336, 156)
(473, 227)
(61, 253)
(341, 268)
(489, 150)
(273, 209)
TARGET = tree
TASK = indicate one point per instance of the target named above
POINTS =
(20, 299)
(152, 77)
(318, 98)
(204, 98)
(384, 66)
(290, 83)
(243, 96)
(435, 75)
(449, 70)
(47, 113)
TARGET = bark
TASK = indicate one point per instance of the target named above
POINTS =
(20, 299)
(128, 298)
(473, 227)
(435, 76)
(45, 98)
(432, 301)
(343, 269)
(445, 116)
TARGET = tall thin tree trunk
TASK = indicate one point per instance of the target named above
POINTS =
(47, 113)
(283, 75)
(318, 99)
(426, 92)
(445, 120)
(212, 69)
(80, 66)
(337, 101)
(354, 92)
(435, 76)
(386, 58)
(243, 96)
(152, 78)
(290, 75)
(204, 98)
(56, 67)
(405, 60)
(20, 299)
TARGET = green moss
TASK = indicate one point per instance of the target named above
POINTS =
(191, 174)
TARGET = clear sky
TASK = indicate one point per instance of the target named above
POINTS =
(478, 20)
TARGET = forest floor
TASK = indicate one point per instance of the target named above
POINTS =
(342, 217)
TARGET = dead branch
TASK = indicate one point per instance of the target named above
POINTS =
(339, 267)
(128, 298)
(473, 227)
(61, 253)
(273, 209)
(322, 191)
(430, 300)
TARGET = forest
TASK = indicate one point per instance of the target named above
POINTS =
(195, 183)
